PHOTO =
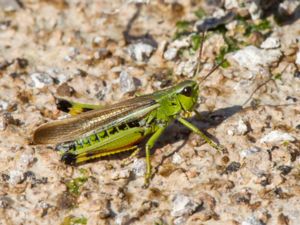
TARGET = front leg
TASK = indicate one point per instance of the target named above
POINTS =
(200, 133)
(150, 143)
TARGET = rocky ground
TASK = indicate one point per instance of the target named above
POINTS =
(101, 52)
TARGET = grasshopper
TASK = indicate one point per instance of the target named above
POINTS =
(94, 132)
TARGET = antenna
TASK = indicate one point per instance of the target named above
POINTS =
(200, 54)
(199, 61)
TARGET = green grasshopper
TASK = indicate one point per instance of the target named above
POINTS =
(96, 132)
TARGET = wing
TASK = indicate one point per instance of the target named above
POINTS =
(99, 119)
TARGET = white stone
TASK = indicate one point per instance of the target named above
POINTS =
(298, 58)
(139, 167)
(288, 7)
(252, 221)
(170, 54)
(3, 105)
(126, 82)
(15, 177)
(120, 174)
(122, 218)
(254, 58)
(25, 160)
(249, 151)
(140, 51)
(182, 205)
(177, 159)
(230, 132)
(230, 4)
(255, 10)
(181, 43)
(232, 25)
(276, 136)
(73, 52)
(186, 68)
(240, 128)
(97, 40)
(180, 220)
(41, 80)
(271, 42)
(9, 5)
(174, 47)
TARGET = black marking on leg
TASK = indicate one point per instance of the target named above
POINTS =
(79, 143)
(113, 131)
(97, 137)
(63, 105)
(133, 124)
(123, 126)
(69, 158)
(85, 109)
(104, 134)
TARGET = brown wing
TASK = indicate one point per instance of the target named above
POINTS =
(74, 127)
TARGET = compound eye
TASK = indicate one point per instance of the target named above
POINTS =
(187, 91)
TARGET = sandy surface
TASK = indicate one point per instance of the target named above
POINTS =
(101, 52)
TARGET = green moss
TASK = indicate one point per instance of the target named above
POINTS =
(200, 13)
(230, 46)
(72, 220)
(183, 27)
(75, 184)
(159, 222)
(250, 27)
(196, 41)
(277, 76)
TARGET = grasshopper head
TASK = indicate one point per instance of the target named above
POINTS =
(187, 95)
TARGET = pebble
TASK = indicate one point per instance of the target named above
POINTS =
(183, 205)
(240, 128)
(186, 68)
(9, 5)
(254, 58)
(5, 202)
(122, 218)
(97, 40)
(250, 151)
(140, 51)
(177, 159)
(41, 80)
(170, 53)
(25, 160)
(59, 75)
(73, 52)
(139, 167)
(255, 10)
(252, 221)
(15, 177)
(179, 220)
(271, 42)
(126, 82)
(120, 174)
(230, 4)
(175, 46)
(3, 105)
(288, 7)
(276, 136)
(102, 53)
